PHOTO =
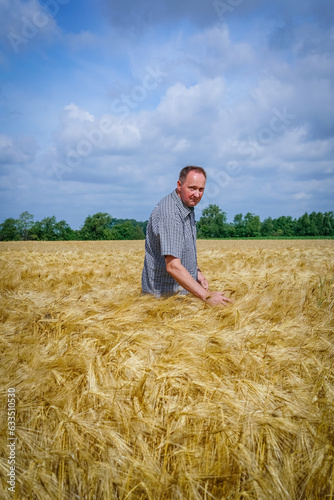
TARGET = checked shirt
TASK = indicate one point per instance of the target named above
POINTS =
(171, 230)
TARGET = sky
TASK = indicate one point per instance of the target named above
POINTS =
(103, 103)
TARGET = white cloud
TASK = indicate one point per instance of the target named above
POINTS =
(302, 196)
(191, 106)
(182, 145)
(23, 24)
(16, 150)
(212, 52)
(74, 112)
(85, 146)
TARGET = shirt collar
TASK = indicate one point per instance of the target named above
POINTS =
(185, 211)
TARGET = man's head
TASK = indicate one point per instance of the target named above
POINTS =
(191, 184)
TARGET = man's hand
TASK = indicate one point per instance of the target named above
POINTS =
(202, 280)
(198, 288)
(217, 298)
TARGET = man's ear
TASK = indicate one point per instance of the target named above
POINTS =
(178, 184)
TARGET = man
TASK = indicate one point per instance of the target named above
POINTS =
(170, 264)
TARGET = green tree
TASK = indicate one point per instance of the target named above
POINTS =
(320, 223)
(122, 231)
(128, 230)
(317, 221)
(313, 231)
(239, 226)
(267, 227)
(284, 226)
(303, 226)
(25, 223)
(328, 224)
(138, 233)
(252, 225)
(9, 230)
(97, 227)
(45, 230)
(213, 223)
(64, 231)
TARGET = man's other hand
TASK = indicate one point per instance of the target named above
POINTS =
(202, 280)
(218, 298)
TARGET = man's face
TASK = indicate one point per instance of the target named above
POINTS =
(192, 190)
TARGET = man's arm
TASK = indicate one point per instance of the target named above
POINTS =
(183, 277)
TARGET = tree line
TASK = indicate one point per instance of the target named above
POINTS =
(100, 226)
(212, 224)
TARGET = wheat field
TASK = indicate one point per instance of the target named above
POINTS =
(123, 396)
